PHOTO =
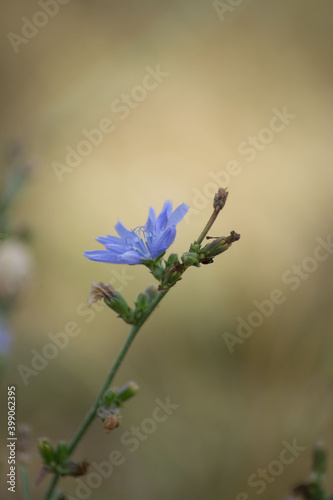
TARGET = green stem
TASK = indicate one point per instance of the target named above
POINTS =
(53, 483)
(24, 482)
(92, 412)
(207, 227)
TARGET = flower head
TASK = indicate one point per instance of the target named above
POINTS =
(146, 242)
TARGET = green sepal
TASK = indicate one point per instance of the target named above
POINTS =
(172, 274)
(118, 304)
(173, 257)
(141, 306)
(143, 302)
(61, 452)
(155, 266)
(195, 247)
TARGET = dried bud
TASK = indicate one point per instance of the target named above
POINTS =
(219, 245)
(100, 291)
(306, 491)
(75, 469)
(112, 299)
(219, 199)
(111, 422)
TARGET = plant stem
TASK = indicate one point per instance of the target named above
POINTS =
(24, 482)
(53, 483)
(207, 227)
(92, 412)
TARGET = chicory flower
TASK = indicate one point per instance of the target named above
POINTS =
(146, 242)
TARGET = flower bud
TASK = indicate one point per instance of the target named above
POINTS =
(126, 392)
(112, 299)
(216, 247)
(46, 451)
(120, 306)
(111, 422)
(151, 292)
(190, 259)
(172, 274)
(219, 199)
(75, 468)
(100, 291)
(141, 306)
(319, 458)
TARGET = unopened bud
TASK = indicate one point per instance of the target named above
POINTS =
(151, 292)
(172, 274)
(319, 458)
(126, 392)
(46, 450)
(190, 259)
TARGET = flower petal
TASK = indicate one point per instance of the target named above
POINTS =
(163, 219)
(151, 221)
(110, 240)
(130, 258)
(102, 256)
(116, 249)
(123, 231)
(162, 242)
(178, 214)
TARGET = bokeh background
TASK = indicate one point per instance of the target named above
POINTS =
(225, 71)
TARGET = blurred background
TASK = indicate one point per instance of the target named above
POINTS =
(187, 97)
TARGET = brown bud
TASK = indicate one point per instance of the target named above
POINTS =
(77, 468)
(111, 422)
(100, 291)
(219, 199)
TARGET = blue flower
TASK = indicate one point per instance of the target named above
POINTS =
(144, 242)
(5, 339)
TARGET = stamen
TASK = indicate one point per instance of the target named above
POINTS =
(139, 242)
